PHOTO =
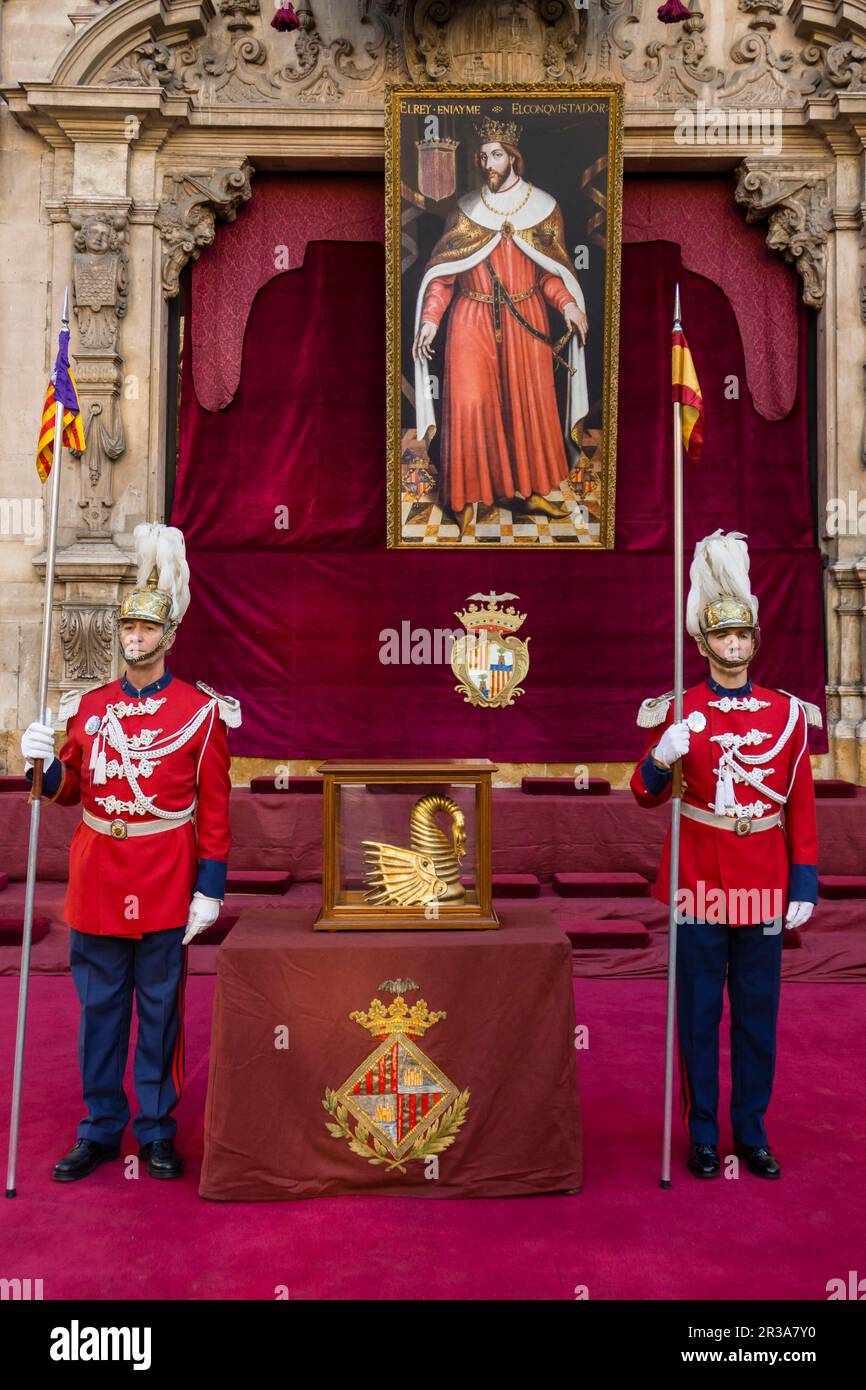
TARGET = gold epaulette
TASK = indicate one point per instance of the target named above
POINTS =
(813, 714)
(654, 710)
(69, 702)
(229, 707)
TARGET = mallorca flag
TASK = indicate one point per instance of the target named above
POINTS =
(61, 388)
(687, 391)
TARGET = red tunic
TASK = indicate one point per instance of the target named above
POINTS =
(501, 430)
(129, 887)
(720, 861)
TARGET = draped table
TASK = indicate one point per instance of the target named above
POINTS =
(428, 1063)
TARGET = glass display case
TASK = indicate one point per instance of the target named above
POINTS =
(406, 845)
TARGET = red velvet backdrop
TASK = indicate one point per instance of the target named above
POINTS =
(288, 618)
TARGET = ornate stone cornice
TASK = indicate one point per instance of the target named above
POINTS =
(794, 198)
(192, 203)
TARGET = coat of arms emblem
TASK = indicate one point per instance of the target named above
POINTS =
(437, 168)
(404, 1108)
(490, 661)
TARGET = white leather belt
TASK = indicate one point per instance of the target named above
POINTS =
(121, 829)
(741, 825)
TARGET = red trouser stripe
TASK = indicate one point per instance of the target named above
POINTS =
(177, 1056)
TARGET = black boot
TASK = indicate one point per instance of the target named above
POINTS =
(759, 1160)
(83, 1157)
(162, 1159)
(704, 1161)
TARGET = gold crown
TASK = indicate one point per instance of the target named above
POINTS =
(727, 612)
(151, 604)
(489, 614)
(397, 1018)
(507, 132)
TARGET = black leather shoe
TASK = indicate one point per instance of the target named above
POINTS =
(83, 1157)
(759, 1160)
(704, 1161)
(162, 1159)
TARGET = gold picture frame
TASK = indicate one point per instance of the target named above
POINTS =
(540, 474)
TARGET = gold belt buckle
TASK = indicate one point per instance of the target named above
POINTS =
(118, 830)
(743, 826)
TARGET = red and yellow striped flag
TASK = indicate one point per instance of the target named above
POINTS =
(61, 388)
(686, 390)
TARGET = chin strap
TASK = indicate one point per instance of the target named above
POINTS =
(148, 656)
(724, 661)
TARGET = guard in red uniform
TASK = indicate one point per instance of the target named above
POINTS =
(748, 853)
(147, 756)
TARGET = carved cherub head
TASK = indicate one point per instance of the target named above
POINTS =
(98, 233)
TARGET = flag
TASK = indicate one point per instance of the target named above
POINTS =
(686, 390)
(61, 388)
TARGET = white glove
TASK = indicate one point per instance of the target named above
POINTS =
(37, 741)
(799, 914)
(673, 743)
(203, 912)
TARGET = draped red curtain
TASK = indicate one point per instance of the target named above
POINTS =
(282, 499)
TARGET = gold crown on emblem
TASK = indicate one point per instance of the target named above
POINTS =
(149, 603)
(398, 1017)
(507, 132)
(727, 612)
(489, 614)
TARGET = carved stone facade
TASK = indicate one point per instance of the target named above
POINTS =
(135, 128)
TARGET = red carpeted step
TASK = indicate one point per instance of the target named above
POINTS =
(515, 886)
(272, 881)
(564, 786)
(4, 882)
(834, 786)
(280, 786)
(12, 929)
(14, 784)
(841, 886)
(212, 936)
(610, 933)
(601, 885)
(792, 940)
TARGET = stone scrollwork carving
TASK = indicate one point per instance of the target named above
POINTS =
(845, 67)
(86, 642)
(239, 61)
(186, 219)
(677, 67)
(100, 280)
(797, 205)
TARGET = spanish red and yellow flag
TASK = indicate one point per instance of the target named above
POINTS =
(61, 388)
(686, 390)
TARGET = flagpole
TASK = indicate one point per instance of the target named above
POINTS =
(677, 779)
(36, 791)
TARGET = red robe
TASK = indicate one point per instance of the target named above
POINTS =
(713, 859)
(143, 884)
(501, 428)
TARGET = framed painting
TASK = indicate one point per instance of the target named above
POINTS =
(503, 271)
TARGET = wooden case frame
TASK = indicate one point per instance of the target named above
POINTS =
(360, 916)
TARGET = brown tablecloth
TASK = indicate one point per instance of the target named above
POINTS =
(497, 1075)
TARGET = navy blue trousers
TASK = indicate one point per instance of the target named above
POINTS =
(751, 959)
(107, 971)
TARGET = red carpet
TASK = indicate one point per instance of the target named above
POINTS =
(622, 1237)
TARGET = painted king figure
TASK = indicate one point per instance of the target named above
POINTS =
(748, 853)
(147, 758)
(500, 266)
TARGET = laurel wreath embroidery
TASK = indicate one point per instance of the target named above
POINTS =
(434, 1140)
